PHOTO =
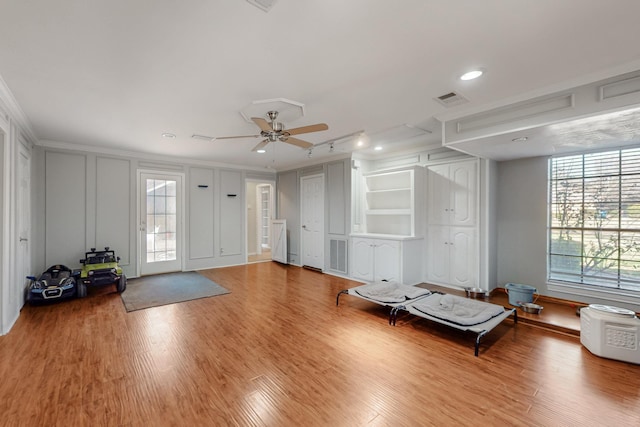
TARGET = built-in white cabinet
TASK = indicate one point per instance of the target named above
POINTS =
(390, 238)
(393, 201)
(375, 259)
(452, 193)
(452, 250)
(452, 257)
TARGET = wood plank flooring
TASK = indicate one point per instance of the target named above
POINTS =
(277, 351)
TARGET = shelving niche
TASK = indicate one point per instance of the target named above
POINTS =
(390, 201)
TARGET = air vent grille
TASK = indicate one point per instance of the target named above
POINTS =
(451, 99)
(338, 255)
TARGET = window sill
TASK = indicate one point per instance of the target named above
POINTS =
(590, 292)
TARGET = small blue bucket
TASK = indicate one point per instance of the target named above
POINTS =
(519, 294)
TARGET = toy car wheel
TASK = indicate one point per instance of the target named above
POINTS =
(122, 284)
(81, 289)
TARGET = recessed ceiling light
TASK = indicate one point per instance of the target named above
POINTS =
(521, 139)
(168, 135)
(474, 74)
(262, 150)
(378, 148)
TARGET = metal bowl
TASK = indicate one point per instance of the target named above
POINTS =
(475, 292)
(530, 307)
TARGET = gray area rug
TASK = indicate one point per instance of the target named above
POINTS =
(170, 288)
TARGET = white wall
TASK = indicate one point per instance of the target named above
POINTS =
(522, 222)
(90, 200)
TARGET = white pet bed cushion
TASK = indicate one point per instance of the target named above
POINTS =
(458, 310)
(390, 292)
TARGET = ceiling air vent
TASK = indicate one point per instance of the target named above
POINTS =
(451, 99)
(265, 5)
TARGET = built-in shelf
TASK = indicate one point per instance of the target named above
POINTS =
(390, 206)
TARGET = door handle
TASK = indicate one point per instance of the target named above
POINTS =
(24, 239)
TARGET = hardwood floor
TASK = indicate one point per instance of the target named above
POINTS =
(277, 351)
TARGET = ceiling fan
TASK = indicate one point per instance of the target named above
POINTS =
(273, 131)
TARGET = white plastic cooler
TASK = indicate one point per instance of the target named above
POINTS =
(610, 332)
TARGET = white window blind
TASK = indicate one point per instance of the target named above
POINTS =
(594, 219)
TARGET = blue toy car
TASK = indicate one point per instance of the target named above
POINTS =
(56, 283)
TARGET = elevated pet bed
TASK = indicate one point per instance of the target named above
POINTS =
(457, 312)
(388, 294)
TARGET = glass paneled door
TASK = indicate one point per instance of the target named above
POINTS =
(160, 223)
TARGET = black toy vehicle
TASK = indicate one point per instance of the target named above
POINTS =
(56, 283)
(100, 268)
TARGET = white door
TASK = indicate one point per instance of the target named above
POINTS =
(160, 223)
(279, 240)
(24, 222)
(312, 220)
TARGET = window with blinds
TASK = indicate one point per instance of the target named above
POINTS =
(594, 219)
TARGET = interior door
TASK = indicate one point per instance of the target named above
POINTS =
(24, 222)
(312, 216)
(279, 240)
(160, 223)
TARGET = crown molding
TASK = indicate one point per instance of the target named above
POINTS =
(16, 113)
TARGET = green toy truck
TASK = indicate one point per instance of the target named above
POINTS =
(100, 268)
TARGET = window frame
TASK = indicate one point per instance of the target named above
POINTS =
(579, 287)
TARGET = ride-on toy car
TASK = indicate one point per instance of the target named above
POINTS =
(100, 268)
(56, 283)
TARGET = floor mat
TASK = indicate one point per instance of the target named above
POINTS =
(170, 288)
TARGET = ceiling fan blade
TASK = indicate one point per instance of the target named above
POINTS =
(262, 124)
(235, 137)
(261, 144)
(306, 129)
(295, 141)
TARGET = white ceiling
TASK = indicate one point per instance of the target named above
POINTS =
(117, 74)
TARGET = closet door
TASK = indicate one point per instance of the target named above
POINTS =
(462, 259)
(438, 260)
(439, 195)
(463, 182)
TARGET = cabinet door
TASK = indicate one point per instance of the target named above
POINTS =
(362, 258)
(438, 257)
(438, 194)
(462, 187)
(462, 255)
(387, 260)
